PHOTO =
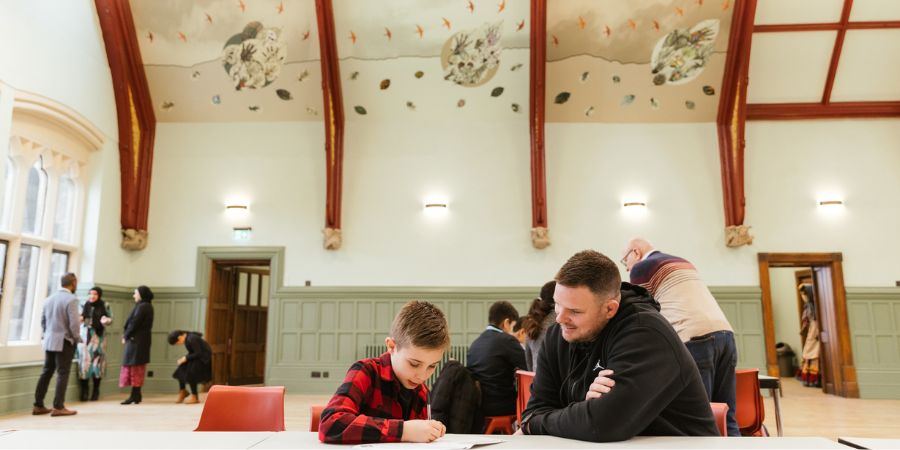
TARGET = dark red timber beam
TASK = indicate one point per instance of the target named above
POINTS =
(333, 106)
(137, 123)
(836, 52)
(540, 233)
(730, 122)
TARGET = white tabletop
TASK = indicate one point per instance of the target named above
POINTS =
(44, 439)
(871, 443)
(307, 440)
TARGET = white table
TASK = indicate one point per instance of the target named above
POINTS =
(98, 439)
(774, 386)
(871, 443)
(307, 440)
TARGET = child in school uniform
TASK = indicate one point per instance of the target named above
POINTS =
(384, 399)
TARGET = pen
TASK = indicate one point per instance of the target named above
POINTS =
(428, 404)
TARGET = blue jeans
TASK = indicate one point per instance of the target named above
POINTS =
(716, 356)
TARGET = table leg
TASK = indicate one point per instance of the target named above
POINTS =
(775, 392)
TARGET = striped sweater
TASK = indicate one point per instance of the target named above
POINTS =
(684, 299)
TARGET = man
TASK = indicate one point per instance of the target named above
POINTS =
(59, 325)
(611, 367)
(493, 359)
(691, 309)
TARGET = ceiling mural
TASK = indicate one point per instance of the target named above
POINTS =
(607, 60)
(230, 61)
(636, 61)
(435, 59)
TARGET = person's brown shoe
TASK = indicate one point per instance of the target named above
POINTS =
(62, 412)
(38, 410)
(191, 400)
(182, 394)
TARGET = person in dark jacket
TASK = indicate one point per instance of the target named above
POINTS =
(493, 359)
(137, 339)
(455, 400)
(612, 367)
(193, 368)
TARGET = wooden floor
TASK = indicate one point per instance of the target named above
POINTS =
(805, 412)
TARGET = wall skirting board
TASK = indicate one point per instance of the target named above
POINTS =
(325, 329)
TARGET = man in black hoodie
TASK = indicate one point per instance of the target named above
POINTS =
(612, 367)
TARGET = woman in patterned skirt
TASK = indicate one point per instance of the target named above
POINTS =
(91, 355)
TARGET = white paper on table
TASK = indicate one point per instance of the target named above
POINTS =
(444, 443)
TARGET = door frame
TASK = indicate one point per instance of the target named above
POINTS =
(845, 384)
(274, 255)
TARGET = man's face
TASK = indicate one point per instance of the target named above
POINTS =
(631, 257)
(413, 365)
(580, 313)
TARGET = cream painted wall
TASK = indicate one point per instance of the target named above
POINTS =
(791, 164)
(54, 48)
(784, 307)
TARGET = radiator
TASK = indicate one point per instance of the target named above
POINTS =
(455, 352)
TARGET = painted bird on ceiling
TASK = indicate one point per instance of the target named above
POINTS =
(419, 30)
(182, 36)
(471, 7)
(446, 22)
(150, 36)
(606, 30)
(501, 6)
(280, 8)
(352, 37)
(242, 5)
(306, 35)
(679, 12)
(581, 23)
(208, 18)
(387, 33)
(520, 25)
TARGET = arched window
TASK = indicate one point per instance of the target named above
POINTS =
(35, 195)
(65, 208)
(9, 192)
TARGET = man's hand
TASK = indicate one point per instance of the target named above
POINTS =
(422, 430)
(182, 360)
(123, 340)
(601, 385)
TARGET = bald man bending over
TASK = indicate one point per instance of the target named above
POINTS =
(691, 309)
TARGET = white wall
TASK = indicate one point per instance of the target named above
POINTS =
(54, 48)
(483, 167)
(784, 307)
(790, 164)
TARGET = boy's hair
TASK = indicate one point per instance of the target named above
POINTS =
(174, 335)
(502, 310)
(593, 270)
(421, 324)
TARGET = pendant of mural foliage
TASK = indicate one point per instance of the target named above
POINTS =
(254, 57)
(681, 55)
(471, 57)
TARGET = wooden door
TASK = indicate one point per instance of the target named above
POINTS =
(828, 363)
(248, 351)
(220, 320)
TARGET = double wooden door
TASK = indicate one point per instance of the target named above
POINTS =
(236, 321)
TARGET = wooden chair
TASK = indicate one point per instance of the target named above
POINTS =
(720, 411)
(315, 414)
(240, 408)
(523, 381)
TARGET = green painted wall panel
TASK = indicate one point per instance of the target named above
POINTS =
(875, 337)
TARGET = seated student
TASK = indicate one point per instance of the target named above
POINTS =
(193, 368)
(385, 399)
(612, 367)
(518, 332)
(493, 359)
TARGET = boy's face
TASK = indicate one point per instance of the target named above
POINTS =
(413, 365)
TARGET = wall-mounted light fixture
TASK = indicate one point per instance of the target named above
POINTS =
(634, 204)
(236, 207)
(831, 203)
(436, 206)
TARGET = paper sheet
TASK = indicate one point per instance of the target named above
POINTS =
(444, 443)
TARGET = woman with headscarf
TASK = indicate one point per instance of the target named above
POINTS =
(541, 315)
(193, 368)
(91, 355)
(137, 338)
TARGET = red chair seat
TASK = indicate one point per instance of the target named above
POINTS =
(315, 415)
(239, 408)
(499, 424)
(720, 411)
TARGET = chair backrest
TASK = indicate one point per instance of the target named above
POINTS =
(315, 414)
(240, 408)
(498, 425)
(523, 381)
(748, 406)
(720, 411)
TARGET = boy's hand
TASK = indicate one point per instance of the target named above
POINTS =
(422, 430)
(601, 385)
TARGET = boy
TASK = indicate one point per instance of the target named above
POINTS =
(493, 359)
(385, 399)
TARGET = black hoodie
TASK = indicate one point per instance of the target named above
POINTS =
(658, 391)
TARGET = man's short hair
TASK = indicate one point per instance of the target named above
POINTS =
(593, 270)
(502, 310)
(422, 325)
(68, 279)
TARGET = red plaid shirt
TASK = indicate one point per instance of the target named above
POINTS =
(366, 407)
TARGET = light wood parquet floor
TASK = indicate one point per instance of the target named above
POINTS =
(805, 412)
